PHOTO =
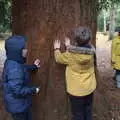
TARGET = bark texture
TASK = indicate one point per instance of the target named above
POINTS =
(43, 21)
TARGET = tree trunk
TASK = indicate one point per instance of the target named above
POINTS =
(43, 21)
(105, 25)
(112, 22)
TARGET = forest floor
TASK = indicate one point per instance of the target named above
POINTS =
(107, 97)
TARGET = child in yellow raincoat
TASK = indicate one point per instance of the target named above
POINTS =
(80, 74)
(115, 60)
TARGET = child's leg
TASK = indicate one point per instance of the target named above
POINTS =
(117, 78)
(88, 107)
(77, 107)
(23, 116)
(29, 114)
(19, 116)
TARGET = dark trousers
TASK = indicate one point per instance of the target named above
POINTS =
(117, 78)
(81, 107)
(22, 116)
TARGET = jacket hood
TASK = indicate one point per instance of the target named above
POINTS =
(14, 46)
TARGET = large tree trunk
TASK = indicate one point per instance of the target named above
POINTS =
(43, 21)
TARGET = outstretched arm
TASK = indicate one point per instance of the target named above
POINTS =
(33, 67)
(62, 58)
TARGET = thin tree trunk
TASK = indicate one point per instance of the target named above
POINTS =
(105, 30)
(112, 22)
(43, 21)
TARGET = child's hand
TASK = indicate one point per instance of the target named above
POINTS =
(57, 44)
(37, 63)
(37, 90)
(67, 42)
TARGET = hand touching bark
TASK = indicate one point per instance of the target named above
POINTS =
(57, 44)
(67, 42)
(37, 63)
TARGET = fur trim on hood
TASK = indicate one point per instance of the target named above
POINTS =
(82, 50)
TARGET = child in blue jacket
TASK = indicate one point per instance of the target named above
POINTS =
(17, 92)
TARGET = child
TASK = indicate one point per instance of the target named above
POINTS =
(17, 92)
(80, 74)
(116, 58)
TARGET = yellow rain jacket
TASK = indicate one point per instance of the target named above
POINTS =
(116, 53)
(80, 74)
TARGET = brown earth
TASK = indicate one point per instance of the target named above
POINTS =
(107, 97)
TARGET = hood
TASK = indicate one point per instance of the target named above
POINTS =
(14, 46)
(89, 49)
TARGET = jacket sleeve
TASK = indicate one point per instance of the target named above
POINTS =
(113, 55)
(16, 84)
(31, 67)
(63, 58)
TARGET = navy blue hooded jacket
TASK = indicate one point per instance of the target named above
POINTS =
(17, 92)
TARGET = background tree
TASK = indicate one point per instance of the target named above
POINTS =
(110, 7)
(112, 22)
(5, 15)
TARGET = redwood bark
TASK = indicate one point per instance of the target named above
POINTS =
(43, 21)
